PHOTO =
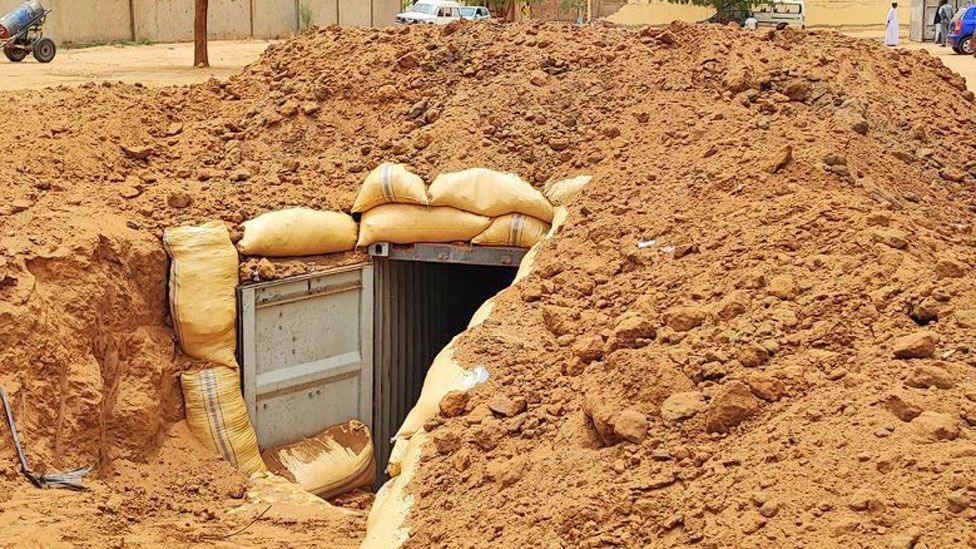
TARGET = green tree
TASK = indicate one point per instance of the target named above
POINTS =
(726, 10)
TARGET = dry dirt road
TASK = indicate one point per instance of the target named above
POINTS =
(152, 65)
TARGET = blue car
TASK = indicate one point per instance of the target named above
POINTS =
(961, 31)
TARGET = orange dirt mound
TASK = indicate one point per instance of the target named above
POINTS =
(733, 383)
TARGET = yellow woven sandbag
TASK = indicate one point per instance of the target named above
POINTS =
(202, 282)
(330, 463)
(482, 313)
(562, 192)
(445, 375)
(407, 224)
(559, 217)
(217, 416)
(487, 192)
(513, 230)
(298, 231)
(390, 184)
(386, 525)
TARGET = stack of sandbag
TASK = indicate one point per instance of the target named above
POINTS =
(395, 209)
(217, 415)
(298, 232)
(202, 285)
(520, 214)
(330, 463)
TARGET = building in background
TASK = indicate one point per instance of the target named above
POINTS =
(94, 21)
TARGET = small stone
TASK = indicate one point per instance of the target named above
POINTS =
(781, 159)
(893, 238)
(925, 376)
(630, 425)
(770, 508)
(733, 404)
(917, 345)
(558, 143)
(129, 191)
(240, 174)
(683, 319)
(752, 355)
(949, 269)
(901, 408)
(681, 406)
(588, 348)
(137, 152)
(629, 331)
(507, 407)
(454, 403)
(835, 159)
(783, 287)
(174, 129)
(958, 502)
(446, 442)
(266, 269)
(538, 78)
(865, 500)
(907, 540)
(952, 173)
(935, 426)
(179, 199)
(766, 387)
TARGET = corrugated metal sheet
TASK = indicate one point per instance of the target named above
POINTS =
(420, 306)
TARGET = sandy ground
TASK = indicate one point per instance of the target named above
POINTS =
(962, 64)
(154, 65)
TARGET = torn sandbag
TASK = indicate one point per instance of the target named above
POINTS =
(406, 224)
(386, 525)
(487, 192)
(217, 415)
(390, 184)
(445, 375)
(298, 232)
(517, 230)
(330, 463)
(562, 192)
(396, 455)
(202, 286)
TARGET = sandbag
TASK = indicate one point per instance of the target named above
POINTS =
(406, 224)
(298, 231)
(217, 416)
(202, 285)
(482, 314)
(560, 214)
(562, 192)
(390, 184)
(330, 463)
(517, 230)
(445, 375)
(386, 524)
(487, 192)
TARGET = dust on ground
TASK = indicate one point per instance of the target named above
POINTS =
(151, 65)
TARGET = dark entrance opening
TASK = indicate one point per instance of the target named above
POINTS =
(424, 295)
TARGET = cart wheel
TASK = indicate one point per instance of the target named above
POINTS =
(44, 50)
(15, 54)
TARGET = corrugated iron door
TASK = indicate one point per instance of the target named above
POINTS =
(306, 346)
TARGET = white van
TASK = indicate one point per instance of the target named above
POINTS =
(431, 12)
(780, 14)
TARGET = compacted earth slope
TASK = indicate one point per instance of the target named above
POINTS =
(785, 361)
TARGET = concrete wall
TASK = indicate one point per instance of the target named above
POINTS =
(827, 13)
(92, 21)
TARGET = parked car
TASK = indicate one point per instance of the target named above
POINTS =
(775, 13)
(475, 13)
(961, 31)
(431, 12)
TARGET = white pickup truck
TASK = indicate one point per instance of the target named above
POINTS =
(431, 12)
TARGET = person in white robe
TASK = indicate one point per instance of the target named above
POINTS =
(891, 26)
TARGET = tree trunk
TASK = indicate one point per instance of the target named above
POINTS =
(200, 57)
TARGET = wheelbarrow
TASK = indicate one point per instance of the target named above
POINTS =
(22, 33)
